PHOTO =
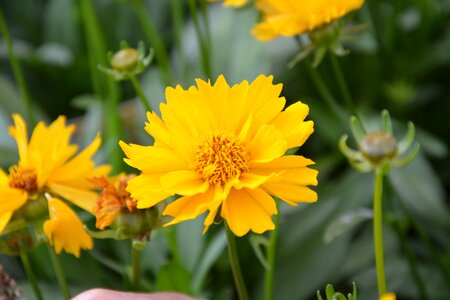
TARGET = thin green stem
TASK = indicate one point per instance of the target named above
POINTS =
(177, 20)
(59, 272)
(136, 263)
(17, 71)
(202, 41)
(31, 277)
(104, 87)
(140, 93)
(342, 84)
(325, 93)
(155, 40)
(173, 245)
(271, 254)
(378, 230)
(235, 267)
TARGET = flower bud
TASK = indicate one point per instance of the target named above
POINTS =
(378, 145)
(125, 60)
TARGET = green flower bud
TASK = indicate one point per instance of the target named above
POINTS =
(125, 60)
(379, 145)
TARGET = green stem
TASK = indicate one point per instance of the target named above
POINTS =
(206, 63)
(136, 263)
(140, 93)
(17, 70)
(378, 230)
(30, 274)
(325, 93)
(155, 40)
(342, 84)
(177, 19)
(268, 284)
(59, 272)
(235, 267)
(172, 241)
(104, 87)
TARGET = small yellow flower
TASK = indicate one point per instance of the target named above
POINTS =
(47, 164)
(112, 200)
(221, 149)
(388, 296)
(293, 17)
(64, 230)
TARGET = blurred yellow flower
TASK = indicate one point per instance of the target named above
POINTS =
(64, 230)
(235, 3)
(221, 149)
(47, 164)
(113, 199)
(388, 296)
(293, 17)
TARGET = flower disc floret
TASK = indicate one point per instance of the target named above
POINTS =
(221, 158)
(23, 178)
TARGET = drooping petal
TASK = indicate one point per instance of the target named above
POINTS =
(3, 178)
(82, 198)
(64, 230)
(246, 210)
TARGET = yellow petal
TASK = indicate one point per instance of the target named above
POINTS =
(187, 208)
(19, 133)
(11, 199)
(246, 210)
(64, 230)
(151, 159)
(3, 178)
(78, 167)
(4, 219)
(157, 129)
(219, 196)
(290, 193)
(267, 145)
(147, 190)
(282, 163)
(85, 199)
(184, 182)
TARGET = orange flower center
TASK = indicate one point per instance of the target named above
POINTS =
(23, 178)
(221, 158)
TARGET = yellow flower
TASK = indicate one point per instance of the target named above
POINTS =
(47, 164)
(388, 296)
(235, 3)
(293, 17)
(221, 149)
(113, 199)
(64, 230)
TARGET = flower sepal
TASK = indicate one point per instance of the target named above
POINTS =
(379, 149)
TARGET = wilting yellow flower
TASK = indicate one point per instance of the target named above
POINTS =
(235, 3)
(47, 164)
(221, 149)
(64, 230)
(388, 296)
(113, 199)
(293, 17)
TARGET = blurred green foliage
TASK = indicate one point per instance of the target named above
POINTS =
(401, 62)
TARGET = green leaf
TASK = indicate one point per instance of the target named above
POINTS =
(345, 223)
(258, 242)
(329, 290)
(175, 278)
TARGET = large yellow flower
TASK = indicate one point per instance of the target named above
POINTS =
(47, 164)
(221, 149)
(293, 17)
